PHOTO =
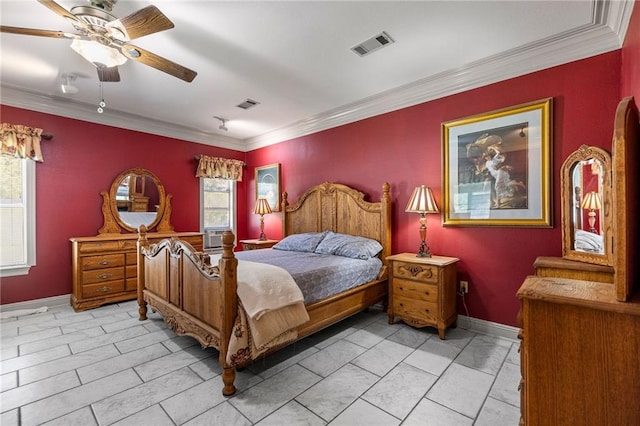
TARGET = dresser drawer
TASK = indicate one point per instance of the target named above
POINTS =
(415, 271)
(415, 309)
(103, 261)
(131, 284)
(415, 290)
(131, 271)
(131, 258)
(102, 289)
(102, 275)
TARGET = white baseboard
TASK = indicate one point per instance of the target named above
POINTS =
(488, 327)
(64, 299)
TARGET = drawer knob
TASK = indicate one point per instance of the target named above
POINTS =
(103, 262)
(426, 310)
(104, 289)
(426, 293)
(105, 276)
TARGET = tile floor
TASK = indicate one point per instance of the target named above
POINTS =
(104, 367)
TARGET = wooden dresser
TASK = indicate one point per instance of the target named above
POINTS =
(422, 290)
(579, 353)
(104, 268)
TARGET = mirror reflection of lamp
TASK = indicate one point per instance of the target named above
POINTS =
(262, 208)
(592, 202)
(422, 202)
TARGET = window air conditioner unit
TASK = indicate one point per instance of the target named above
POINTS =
(213, 239)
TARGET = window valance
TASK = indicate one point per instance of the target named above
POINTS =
(221, 168)
(20, 141)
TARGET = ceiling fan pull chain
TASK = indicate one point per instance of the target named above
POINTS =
(102, 103)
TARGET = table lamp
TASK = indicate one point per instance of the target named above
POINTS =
(592, 202)
(262, 208)
(422, 202)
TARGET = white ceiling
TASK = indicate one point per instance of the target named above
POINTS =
(295, 58)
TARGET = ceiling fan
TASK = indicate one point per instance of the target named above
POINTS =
(104, 39)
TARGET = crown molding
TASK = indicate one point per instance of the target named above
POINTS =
(63, 107)
(609, 23)
(610, 20)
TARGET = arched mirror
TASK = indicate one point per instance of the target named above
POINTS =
(136, 198)
(586, 206)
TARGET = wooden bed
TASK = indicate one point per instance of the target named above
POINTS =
(195, 300)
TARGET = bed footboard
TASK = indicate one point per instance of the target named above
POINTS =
(195, 298)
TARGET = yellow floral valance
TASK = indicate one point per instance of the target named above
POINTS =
(221, 168)
(21, 141)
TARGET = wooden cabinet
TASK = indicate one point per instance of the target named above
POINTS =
(104, 268)
(257, 244)
(422, 290)
(580, 352)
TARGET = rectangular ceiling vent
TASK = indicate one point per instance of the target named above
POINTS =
(374, 43)
(249, 103)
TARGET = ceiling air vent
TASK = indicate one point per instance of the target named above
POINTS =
(249, 103)
(374, 43)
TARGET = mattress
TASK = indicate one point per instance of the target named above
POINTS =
(319, 276)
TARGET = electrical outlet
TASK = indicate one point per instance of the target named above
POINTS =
(464, 287)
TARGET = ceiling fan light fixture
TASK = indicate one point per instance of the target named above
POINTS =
(95, 52)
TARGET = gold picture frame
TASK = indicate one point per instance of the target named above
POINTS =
(497, 167)
(268, 185)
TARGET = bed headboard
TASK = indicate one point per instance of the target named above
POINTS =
(339, 208)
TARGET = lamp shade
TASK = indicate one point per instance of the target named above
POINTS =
(422, 201)
(591, 201)
(262, 206)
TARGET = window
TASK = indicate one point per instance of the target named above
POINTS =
(218, 204)
(17, 216)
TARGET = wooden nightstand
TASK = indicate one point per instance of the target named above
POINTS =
(422, 290)
(257, 244)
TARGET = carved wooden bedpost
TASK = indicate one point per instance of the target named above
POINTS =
(228, 266)
(386, 218)
(142, 242)
(284, 204)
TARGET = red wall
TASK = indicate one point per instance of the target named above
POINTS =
(404, 149)
(82, 160)
(631, 58)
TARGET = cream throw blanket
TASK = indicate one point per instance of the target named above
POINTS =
(263, 288)
(271, 308)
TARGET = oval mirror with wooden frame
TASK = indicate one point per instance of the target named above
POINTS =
(587, 206)
(136, 198)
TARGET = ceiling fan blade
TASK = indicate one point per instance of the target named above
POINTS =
(56, 8)
(108, 74)
(144, 22)
(151, 59)
(33, 32)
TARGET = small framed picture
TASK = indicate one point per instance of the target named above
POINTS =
(497, 167)
(268, 185)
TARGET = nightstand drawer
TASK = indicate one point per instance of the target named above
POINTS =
(415, 290)
(101, 262)
(419, 310)
(416, 271)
